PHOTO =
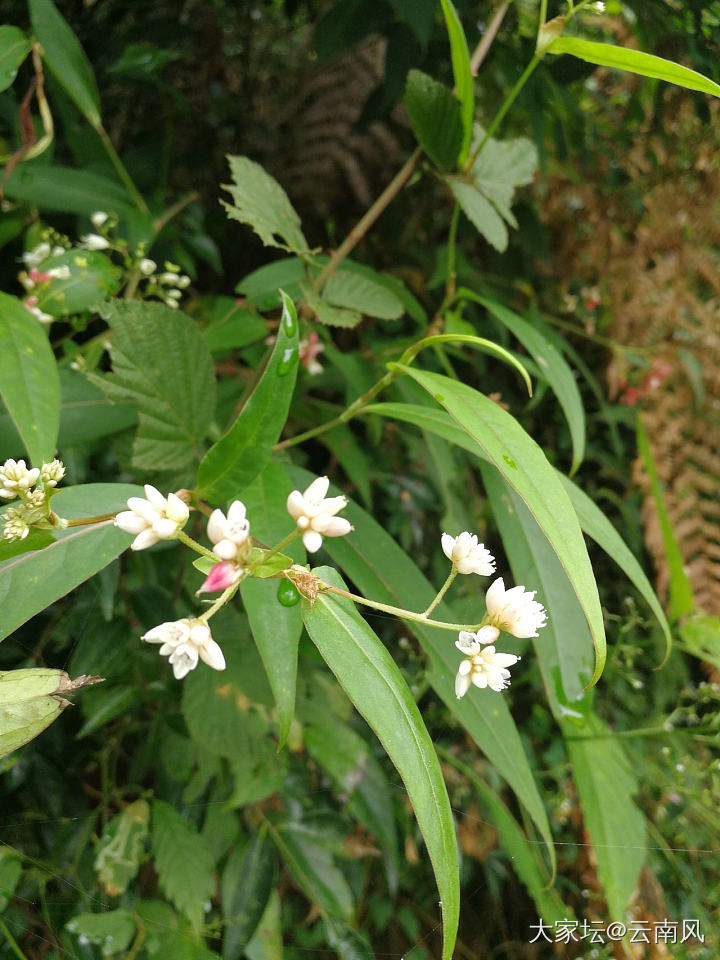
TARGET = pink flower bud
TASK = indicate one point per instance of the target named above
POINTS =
(221, 576)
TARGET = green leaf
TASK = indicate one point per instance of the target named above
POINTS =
(246, 885)
(66, 59)
(262, 287)
(238, 457)
(276, 628)
(92, 277)
(35, 540)
(113, 930)
(260, 201)
(29, 381)
(14, 47)
(592, 520)
(161, 362)
(326, 313)
(372, 680)
(479, 343)
(436, 118)
(33, 581)
(183, 862)
(313, 868)
(347, 943)
(701, 638)
(526, 469)
(10, 871)
(121, 847)
(267, 943)
(460, 56)
(235, 328)
(480, 212)
(635, 61)
(606, 785)
(29, 702)
(554, 367)
(53, 187)
(355, 291)
(681, 592)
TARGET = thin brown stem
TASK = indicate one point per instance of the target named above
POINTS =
(480, 51)
(174, 210)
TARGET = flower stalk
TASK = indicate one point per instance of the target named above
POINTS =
(443, 590)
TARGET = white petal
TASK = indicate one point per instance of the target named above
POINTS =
(479, 679)
(295, 504)
(448, 543)
(487, 634)
(467, 642)
(237, 512)
(495, 596)
(465, 667)
(177, 509)
(181, 668)
(332, 526)
(225, 549)
(466, 565)
(216, 526)
(172, 631)
(144, 509)
(333, 505)
(317, 489)
(155, 497)
(211, 653)
(200, 633)
(130, 522)
(504, 659)
(462, 684)
(164, 528)
(312, 541)
(144, 540)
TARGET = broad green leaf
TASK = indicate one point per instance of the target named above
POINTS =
(354, 291)
(235, 328)
(35, 540)
(606, 785)
(372, 680)
(262, 287)
(121, 847)
(113, 930)
(635, 61)
(312, 866)
(52, 187)
(328, 314)
(238, 457)
(460, 56)
(10, 871)
(168, 934)
(261, 202)
(161, 362)
(33, 581)
(592, 520)
(29, 381)
(479, 211)
(14, 47)
(267, 942)
(564, 645)
(681, 592)
(183, 862)
(554, 367)
(246, 885)
(526, 469)
(360, 780)
(382, 570)
(92, 277)
(29, 702)
(435, 117)
(275, 627)
(66, 59)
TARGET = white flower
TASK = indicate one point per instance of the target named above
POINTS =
(467, 555)
(147, 267)
(98, 219)
(93, 241)
(229, 533)
(483, 666)
(183, 641)
(15, 526)
(315, 514)
(15, 478)
(52, 473)
(515, 610)
(34, 257)
(40, 315)
(60, 273)
(157, 518)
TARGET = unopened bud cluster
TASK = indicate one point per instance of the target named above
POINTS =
(167, 284)
(18, 482)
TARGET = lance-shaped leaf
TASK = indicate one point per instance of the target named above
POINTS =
(276, 628)
(54, 187)
(29, 381)
(356, 291)
(634, 61)
(29, 702)
(525, 467)
(14, 47)
(372, 680)
(237, 458)
(32, 581)
(247, 883)
(460, 56)
(261, 202)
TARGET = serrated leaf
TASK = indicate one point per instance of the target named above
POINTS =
(14, 47)
(92, 277)
(372, 680)
(29, 381)
(112, 931)
(160, 361)
(634, 61)
(326, 313)
(66, 59)
(354, 291)
(238, 457)
(121, 847)
(32, 581)
(480, 212)
(260, 201)
(183, 862)
(54, 187)
(247, 883)
(436, 118)
(460, 56)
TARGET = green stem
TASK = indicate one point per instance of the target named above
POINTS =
(443, 590)
(197, 547)
(451, 276)
(399, 611)
(11, 941)
(220, 602)
(120, 169)
(283, 543)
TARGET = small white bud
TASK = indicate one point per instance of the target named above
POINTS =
(98, 218)
(93, 241)
(147, 267)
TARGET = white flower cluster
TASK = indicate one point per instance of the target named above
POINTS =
(152, 519)
(167, 285)
(315, 514)
(183, 642)
(17, 481)
(514, 611)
